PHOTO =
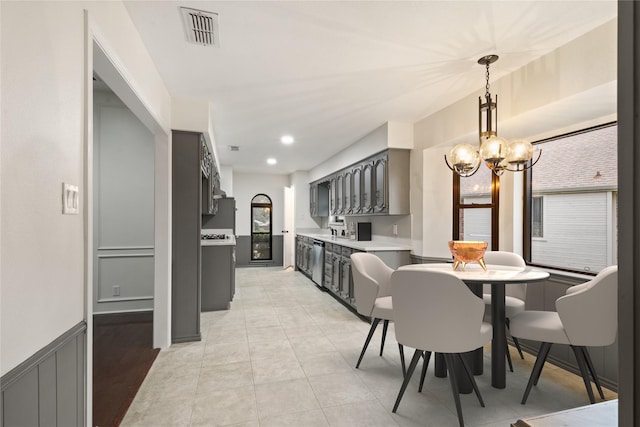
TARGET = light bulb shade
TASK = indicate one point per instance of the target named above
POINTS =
(520, 152)
(464, 159)
(494, 150)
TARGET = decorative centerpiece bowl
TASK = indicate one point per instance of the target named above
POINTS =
(466, 251)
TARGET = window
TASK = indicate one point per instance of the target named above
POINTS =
(536, 217)
(475, 207)
(571, 202)
(261, 227)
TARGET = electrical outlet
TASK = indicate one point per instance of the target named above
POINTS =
(116, 291)
(395, 229)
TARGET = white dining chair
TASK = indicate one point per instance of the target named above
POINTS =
(515, 294)
(373, 296)
(434, 311)
(586, 316)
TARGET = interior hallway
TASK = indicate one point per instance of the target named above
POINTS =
(285, 354)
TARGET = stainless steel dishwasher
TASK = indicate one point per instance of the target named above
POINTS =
(317, 262)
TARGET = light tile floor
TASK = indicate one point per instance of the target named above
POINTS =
(285, 355)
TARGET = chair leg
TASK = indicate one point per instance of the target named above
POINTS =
(404, 369)
(448, 358)
(384, 335)
(412, 367)
(425, 365)
(582, 364)
(515, 341)
(374, 325)
(592, 369)
(537, 369)
(509, 358)
(517, 344)
(473, 380)
(546, 354)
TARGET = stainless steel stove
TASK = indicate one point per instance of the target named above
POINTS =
(213, 236)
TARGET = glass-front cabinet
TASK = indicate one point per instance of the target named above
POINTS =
(332, 195)
(348, 193)
(356, 197)
(339, 194)
(380, 190)
(367, 187)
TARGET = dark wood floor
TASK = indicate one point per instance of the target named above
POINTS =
(122, 356)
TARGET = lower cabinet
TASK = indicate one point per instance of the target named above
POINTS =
(338, 278)
(218, 277)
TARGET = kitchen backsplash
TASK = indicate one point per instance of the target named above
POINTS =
(388, 227)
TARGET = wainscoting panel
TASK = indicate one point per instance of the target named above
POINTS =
(48, 389)
(243, 252)
(129, 268)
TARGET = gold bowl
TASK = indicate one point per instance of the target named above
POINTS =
(466, 251)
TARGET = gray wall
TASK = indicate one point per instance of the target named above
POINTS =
(123, 208)
(243, 252)
(48, 389)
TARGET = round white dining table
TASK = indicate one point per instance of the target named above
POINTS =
(497, 276)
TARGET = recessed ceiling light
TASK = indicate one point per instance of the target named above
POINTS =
(287, 139)
(271, 161)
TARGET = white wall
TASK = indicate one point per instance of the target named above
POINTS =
(302, 217)
(567, 89)
(43, 116)
(372, 143)
(246, 186)
(226, 180)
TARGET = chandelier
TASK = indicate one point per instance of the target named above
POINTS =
(496, 152)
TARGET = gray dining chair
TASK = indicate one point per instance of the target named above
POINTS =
(586, 316)
(515, 294)
(434, 311)
(373, 296)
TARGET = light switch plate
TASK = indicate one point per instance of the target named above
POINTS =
(70, 199)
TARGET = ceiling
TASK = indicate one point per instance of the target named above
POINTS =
(330, 72)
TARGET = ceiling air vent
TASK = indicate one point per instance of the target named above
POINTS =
(201, 27)
(234, 148)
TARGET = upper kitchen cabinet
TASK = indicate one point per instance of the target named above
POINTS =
(367, 186)
(381, 183)
(319, 199)
(376, 185)
(339, 194)
(391, 182)
(348, 192)
(209, 174)
(356, 197)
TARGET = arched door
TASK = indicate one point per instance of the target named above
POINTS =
(261, 228)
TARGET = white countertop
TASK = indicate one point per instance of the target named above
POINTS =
(367, 246)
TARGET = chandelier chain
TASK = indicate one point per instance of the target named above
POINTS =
(487, 94)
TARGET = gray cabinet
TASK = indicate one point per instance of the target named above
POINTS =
(339, 194)
(367, 187)
(185, 235)
(356, 197)
(218, 277)
(319, 199)
(377, 185)
(380, 188)
(207, 169)
(328, 266)
(348, 192)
